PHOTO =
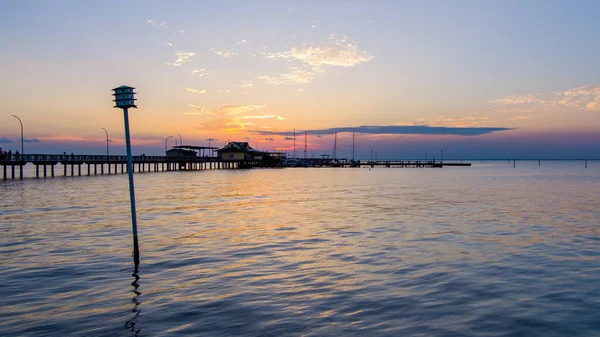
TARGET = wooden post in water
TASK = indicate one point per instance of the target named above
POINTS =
(539, 162)
(586, 163)
(514, 163)
(124, 99)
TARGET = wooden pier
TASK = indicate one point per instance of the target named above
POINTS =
(78, 165)
(45, 165)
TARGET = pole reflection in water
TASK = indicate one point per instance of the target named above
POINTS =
(132, 322)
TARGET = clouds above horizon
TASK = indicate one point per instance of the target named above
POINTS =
(195, 91)
(584, 98)
(336, 51)
(182, 57)
(304, 62)
(394, 130)
(231, 118)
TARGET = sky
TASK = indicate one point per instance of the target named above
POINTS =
(401, 79)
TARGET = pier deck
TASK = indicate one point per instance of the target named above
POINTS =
(45, 164)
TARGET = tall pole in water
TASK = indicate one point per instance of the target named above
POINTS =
(124, 99)
(305, 145)
(21, 122)
(352, 145)
(335, 145)
(106, 142)
(167, 140)
(294, 142)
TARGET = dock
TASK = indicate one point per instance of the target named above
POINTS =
(45, 165)
(72, 165)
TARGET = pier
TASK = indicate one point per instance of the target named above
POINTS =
(73, 165)
(45, 165)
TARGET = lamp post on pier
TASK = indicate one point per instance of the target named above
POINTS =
(124, 99)
(107, 158)
(166, 141)
(180, 140)
(21, 122)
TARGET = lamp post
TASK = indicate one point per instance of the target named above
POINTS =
(105, 131)
(124, 99)
(166, 141)
(180, 140)
(21, 122)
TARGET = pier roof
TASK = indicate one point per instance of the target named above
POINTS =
(190, 147)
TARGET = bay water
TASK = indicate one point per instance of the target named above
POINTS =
(487, 250)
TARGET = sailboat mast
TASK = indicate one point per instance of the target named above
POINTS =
(334, 145)
(305, 147)
(352, 145)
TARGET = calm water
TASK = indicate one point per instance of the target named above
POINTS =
(482, 251)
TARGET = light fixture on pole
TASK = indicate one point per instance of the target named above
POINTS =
(180, 140)
(21, 122)
(124, 99)
(166, 141)
(107, 158)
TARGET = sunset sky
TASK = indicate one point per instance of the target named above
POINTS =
(478, 79)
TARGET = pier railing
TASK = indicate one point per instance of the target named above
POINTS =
(74, 158)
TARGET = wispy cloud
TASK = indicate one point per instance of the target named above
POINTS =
(244, 84)
(306, 61)
(336, 51)
(155, 23)
(196, 91)
(5, 140)
(586, 98)
(295, 76)
(239, 43)
(196, 110)
(182, 57)
(34, 140)
(199, 72)
(395, 130)
(230, 118)
(264, 117)
(225, 53)
(449, 121)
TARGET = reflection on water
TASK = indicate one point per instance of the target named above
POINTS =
(485, 250)
(132, 322)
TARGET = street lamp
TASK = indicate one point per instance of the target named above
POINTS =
(106, 142)
(22, 152)
(166, 140)
(180, 140)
